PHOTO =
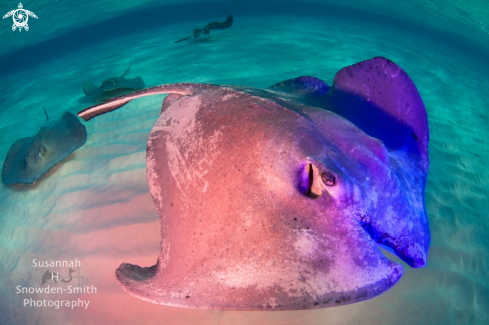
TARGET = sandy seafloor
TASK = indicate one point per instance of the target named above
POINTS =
(95, 205)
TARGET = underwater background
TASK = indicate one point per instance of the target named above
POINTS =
(95, 205)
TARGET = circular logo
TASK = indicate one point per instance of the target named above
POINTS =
(20, 18)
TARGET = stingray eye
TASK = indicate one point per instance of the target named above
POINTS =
(41, 151)
(310, 183)
(328, 178)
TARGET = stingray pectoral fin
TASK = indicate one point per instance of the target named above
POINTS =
(330, 273)
(401, 222)
(134, 83)
(381, 99)
(14, 169)
(217, 25)
(226, 24)
(76, 130)
(89, 88)
(117, 102)
(139, 82)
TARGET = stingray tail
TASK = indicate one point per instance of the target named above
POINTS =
(117, 102)
(128, 69)
(198, 31)
(46, 113)
(184, 39)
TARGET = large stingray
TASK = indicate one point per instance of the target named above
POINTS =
(29, 158)
(270, 199)
(114, 86)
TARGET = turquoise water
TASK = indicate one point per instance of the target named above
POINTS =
(95, 206)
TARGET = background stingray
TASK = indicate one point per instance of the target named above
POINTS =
(114, 86)
(269, 203)
(214, 25)
(29, 158)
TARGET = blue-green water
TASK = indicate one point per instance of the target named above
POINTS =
(95, 205)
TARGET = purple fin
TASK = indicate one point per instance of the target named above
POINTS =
(379, 97)
(381, 100)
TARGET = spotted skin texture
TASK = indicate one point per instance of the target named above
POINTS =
(267, 202)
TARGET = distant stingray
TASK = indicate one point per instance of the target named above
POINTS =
(29, 158)
(215, 25)
(114, 86)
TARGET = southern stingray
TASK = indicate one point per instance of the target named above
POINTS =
(210, 26)
(114, 86)
(30, 158)
(278, 198)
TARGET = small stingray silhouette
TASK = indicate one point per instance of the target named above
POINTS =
(114, 86)
(210, 26)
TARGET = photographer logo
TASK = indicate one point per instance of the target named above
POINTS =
(20, 17)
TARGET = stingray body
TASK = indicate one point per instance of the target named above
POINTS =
(114, 86)
(30, 158)
(270, 199)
